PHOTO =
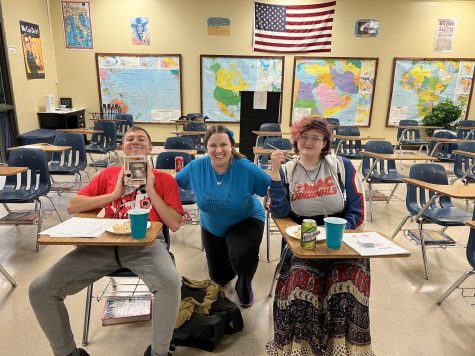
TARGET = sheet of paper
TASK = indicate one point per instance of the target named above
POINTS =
(372, 244)
(80, 227)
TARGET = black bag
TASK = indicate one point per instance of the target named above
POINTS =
(206, 331)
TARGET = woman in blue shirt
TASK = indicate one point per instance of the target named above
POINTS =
(232, 218)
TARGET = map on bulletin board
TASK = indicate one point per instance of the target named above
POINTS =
(77, 24)
(341, 88)
(146, 86)
(223, 77)
(420, 84)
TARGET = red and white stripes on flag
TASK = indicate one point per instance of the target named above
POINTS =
(293, 28)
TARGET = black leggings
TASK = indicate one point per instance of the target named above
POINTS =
(237, 253)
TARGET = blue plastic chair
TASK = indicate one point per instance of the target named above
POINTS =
(350, 148)
(470, 253)
(103, 143)
(441, 212)
(71, 162)
(463, 163)
(197, 139)
(123, 126)
(466, 134)
(27, 187)
(184, 143)
(166, 160)
(410, 137)
(383, 172)
(444, 150)
(273, 143)
(267, 126)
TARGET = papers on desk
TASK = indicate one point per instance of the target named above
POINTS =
(80, 227)
(372, 244)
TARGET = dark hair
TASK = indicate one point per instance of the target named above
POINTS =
(222, 129)
(138, 128)
(311, 123)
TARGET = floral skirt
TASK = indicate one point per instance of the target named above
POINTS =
(321, 307)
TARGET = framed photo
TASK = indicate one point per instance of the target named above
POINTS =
(334, 87)
(135, 168)
(224, 77)
(67, 102)
(366, 28)
(418, 84)
(148, 86)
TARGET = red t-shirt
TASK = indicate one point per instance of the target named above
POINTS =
(104, 183)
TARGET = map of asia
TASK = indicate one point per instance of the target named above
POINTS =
(222, 78)
(146, 86)
(341, 88)
(420, 84)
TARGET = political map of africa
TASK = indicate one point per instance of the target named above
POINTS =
(148, 87)
(224, 77)
(418, 85)
(340, 88)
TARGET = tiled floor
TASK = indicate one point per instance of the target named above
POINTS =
(404, 317)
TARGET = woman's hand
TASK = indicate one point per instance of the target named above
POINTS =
(277, 158)
(150, 185)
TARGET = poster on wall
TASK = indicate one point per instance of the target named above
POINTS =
(140, 31)
(418, 84)
(223, 77)
(32, 52)
(77, 24)
(444, 35)
(148, 86)
(219, 26)
(366, 28)
(334, 87)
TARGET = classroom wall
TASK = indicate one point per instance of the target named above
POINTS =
(179, 26)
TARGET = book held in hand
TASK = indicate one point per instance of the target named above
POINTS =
(118, 311)
(135, 169)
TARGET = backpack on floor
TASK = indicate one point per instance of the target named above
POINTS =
(206, 331)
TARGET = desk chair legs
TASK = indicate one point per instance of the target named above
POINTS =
(455, 286)
(268, 237)
(87, 316)
(424, 252)
(278, 268)
(7, 276)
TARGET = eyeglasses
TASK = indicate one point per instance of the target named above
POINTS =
(314, 139)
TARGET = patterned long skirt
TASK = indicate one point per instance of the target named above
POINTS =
(321, 307)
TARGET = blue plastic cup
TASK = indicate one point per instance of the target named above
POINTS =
(334, 229)
(138, 223)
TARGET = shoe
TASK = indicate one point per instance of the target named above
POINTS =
(148, 352)
(249, 303)
(79, 352)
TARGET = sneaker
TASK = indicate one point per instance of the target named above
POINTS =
(249, 303)
(148, 352)
(79, 352)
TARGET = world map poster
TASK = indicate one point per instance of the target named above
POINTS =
(146, 86)
(223, 77)
(341, 88)
(77, 24)
(420, 84)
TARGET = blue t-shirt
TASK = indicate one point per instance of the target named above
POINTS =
(224, 200)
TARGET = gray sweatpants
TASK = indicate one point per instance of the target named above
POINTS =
(87, 264)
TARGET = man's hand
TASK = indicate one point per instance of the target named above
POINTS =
(150, 185)
(277, 158)
(119, 189)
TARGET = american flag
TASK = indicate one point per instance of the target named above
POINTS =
(295, 28)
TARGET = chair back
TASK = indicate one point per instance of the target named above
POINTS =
(444, 150)
(333, 120)
(349, 148)
(108, 137)
(184, 143)
(123, 126)
(166, 160)
(36, 178)
(417, 197)
(277, 142)
(384, 166)
(466, 133)
(406, 136)
(197, 139)
(463, 163)
(270, 126)
(76, 157)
